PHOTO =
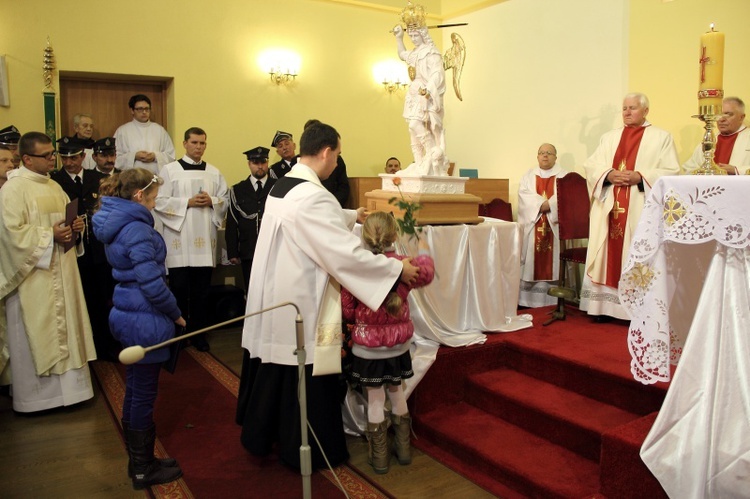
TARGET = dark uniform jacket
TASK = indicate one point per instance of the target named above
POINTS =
(244, 217)
(338, 183)
(280, 168)
(88, 200)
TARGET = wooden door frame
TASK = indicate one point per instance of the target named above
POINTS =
(164, 82)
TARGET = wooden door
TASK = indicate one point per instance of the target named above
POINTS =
(105, 98)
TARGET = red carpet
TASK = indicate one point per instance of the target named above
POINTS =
(544, 412)
(195, 424)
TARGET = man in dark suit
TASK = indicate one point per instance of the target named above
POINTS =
(96, 274)
(105, 154)
(247, 200)
(286, 149)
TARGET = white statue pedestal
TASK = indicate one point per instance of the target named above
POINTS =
(442, 198)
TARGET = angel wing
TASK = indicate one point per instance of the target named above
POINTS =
(454, 58)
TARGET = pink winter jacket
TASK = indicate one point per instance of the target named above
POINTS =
(378, 328)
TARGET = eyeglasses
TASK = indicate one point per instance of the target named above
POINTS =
(545, 153)
(48, 156)
(142, 109)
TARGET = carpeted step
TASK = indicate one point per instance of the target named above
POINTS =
(521, 460)
(624, 474)
(593, 361)
(562, 416)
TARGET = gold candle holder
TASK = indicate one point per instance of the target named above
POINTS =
(709, 116)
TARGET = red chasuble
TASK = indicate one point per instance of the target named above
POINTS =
(724, 147)
(544, 239)
(627, 152)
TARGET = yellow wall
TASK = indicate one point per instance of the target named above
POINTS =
(536, 70)
(664, 53)
(211, 50)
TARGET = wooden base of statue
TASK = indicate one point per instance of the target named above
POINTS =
(437, 209)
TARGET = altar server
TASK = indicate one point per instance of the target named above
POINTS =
(192, 204)
(142, 143)
(305, 252)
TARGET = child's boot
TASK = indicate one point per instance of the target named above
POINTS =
(377, 438)
(402, 429)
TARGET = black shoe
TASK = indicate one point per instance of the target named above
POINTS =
(200, 343)
(602, 319)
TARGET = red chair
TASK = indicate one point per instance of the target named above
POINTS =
(497, 208)
(573, 207)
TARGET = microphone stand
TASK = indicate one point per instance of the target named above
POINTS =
(135, 353)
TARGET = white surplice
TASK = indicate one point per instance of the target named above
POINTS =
(534, 293)
(190, 233)
(136, 136)
(306, 238)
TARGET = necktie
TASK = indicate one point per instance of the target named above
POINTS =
(78, 180)
(258, 186)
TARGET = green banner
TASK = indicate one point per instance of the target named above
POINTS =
(49, 116)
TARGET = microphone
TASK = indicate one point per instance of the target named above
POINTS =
(131, 355)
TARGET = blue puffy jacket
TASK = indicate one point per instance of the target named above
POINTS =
(144, 308)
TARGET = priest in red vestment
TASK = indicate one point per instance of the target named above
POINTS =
(537, 214)
(732, 144)
(620, 173)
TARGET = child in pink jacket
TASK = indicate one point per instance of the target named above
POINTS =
(380, 345)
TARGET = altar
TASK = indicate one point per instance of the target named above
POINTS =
(686, 286)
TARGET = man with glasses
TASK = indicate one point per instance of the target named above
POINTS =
(96, 274)
(6, 164)
(48, 330)
(537, 214)
(143, 143)
(9, 137)
(732, 144)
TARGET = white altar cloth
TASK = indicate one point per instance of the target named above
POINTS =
(475, 290)
(687, 281)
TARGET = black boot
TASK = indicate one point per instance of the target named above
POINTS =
(146, 468)
(167, 462)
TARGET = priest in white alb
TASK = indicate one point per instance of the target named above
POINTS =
(46, 321)
(620, 173)
(537, 214)
(142, 143)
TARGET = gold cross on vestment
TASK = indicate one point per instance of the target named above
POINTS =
(623, 166)
(542, 230)
(617, 210)
(199, 242)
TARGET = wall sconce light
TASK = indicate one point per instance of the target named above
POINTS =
(391, 74)
(281, 65)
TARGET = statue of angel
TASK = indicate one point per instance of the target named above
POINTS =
(423, 105)
(454, 59)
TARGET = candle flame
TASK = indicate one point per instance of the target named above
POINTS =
(712, 26)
